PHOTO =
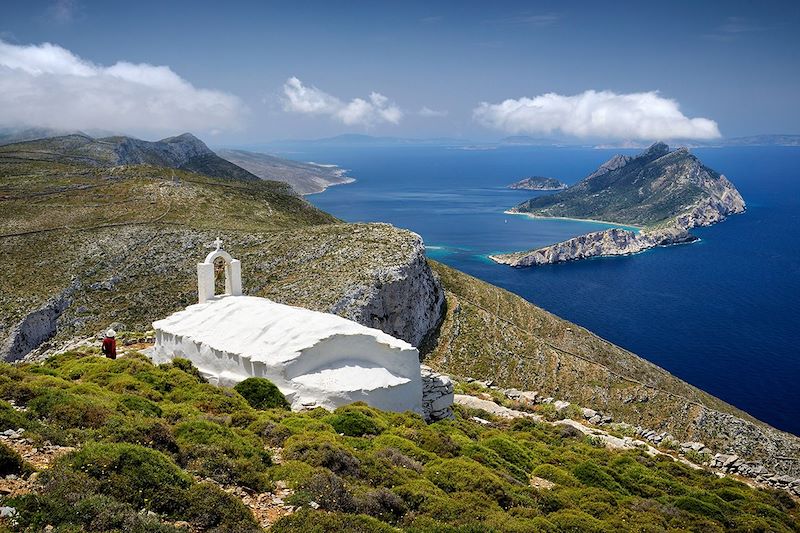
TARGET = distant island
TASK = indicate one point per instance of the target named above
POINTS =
(305, 178)
(538, 183)
(664, 193)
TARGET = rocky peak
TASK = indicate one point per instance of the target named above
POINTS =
(618, 161)
(655, 151)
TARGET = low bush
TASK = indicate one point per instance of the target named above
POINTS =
(222, 453)
(210, 507)
(354, 424)
(322, 450)
(308, 521)
(135, 429)
(466, 475)
(143, 477)
(11, 462)
(137, 404)
(261, 393)
(592, 475)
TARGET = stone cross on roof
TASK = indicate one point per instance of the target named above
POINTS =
(218, 243)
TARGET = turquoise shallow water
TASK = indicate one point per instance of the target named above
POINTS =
(721, 313)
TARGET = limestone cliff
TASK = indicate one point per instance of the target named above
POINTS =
(610, 242)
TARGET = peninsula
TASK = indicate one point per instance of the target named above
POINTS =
(538, 183)
(666, 193)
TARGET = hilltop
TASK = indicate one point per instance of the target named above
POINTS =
(184, 152)
(305, 178)
(663, 192)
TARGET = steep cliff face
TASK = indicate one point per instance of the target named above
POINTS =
(405, 299)
(610, 242)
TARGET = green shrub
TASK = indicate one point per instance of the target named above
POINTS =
(575, 521)
(354, 424)
(209, 507)
(695, 506)
(137, 404)
(388, 440)
(143, 477)
(418, 492)
(308, 521)
(491, 459)
(69, 410)
(135, 429)
(11, 462)
(261, 393)
(186, 366)
(592, 475)
(556, 475)
(466, 475)
(11, 418)
(223, 454)
(322, 450)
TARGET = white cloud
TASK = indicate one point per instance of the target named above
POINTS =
(427, 112)
(309, 100)
(47, 85)
(601, 114)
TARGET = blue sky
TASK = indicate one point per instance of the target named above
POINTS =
(256, 71)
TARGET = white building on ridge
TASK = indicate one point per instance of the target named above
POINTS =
(315, 359)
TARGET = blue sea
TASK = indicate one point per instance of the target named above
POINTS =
(722, 314)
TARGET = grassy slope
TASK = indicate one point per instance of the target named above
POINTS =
(158, 439)
(490, 333)
(133, 237)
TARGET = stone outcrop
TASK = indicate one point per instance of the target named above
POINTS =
(404, 300)
(603, 427)
(437, 395)
(610, 242)
(36, 327)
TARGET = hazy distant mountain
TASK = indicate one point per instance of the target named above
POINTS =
(765, 140)
(354, 139)
(305, 178)
(185, 152)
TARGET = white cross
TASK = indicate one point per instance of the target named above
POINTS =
(218, 243)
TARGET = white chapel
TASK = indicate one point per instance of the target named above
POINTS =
(315, 359)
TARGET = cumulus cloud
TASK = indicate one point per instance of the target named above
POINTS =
(309, 100)
(602, 114)
(427, 112)
(47, 85)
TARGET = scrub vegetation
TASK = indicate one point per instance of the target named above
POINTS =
(155, 448)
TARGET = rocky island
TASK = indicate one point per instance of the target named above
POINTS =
(538, 183)
(664, 193)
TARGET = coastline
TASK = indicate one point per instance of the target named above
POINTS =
(618, 224)
(325, 188)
